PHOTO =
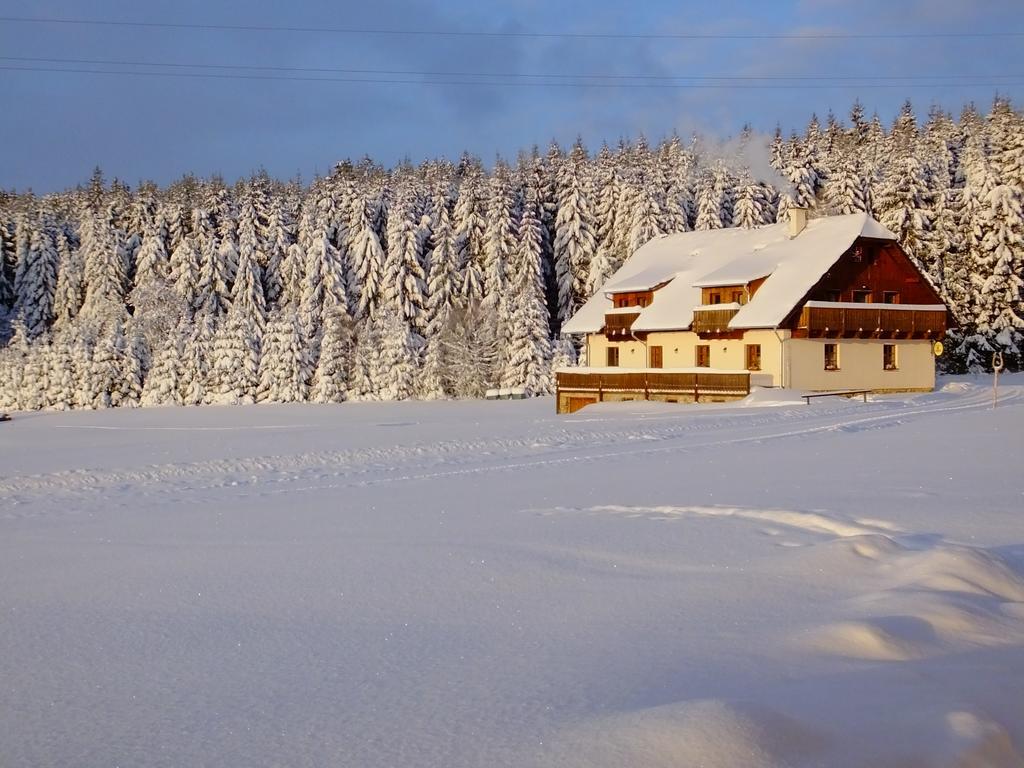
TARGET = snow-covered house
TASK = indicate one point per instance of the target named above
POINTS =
(832, 303)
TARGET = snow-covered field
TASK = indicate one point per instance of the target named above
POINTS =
(489, 584)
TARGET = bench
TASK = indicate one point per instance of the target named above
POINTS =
(838, 393)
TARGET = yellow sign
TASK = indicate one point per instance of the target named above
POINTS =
(937, 348)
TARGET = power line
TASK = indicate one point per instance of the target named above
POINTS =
(511, 34)
(512, 83)
(514, 75)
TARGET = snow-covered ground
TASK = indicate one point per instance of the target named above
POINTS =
(489, 584)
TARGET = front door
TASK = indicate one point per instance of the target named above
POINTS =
(656, 357)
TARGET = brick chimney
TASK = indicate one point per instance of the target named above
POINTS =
(797, 221)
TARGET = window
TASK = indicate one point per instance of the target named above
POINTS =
(889, 361)
(641, 302)
(862, 297)
(753, 357)
(833, 295)
(656, 360)
(890, 297)
(737, 297)
(716, 298)
(831, 357)
(703, 355)
(613, 357)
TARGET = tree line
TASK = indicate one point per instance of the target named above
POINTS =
(445, 279)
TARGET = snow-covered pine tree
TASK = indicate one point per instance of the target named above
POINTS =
(1002, 293)
(500, 240)
(366, 259)
(217, 262)
(151, 260)
(38, 283)
(284, 367)
(470, 236)
(105, 263)
(185, 271)
(6, 271)
(844, 191)
(163, 382)
(526, 358)
(278, 239)
(404, 283)
(903, 207)
(330, 379)
(575, 237)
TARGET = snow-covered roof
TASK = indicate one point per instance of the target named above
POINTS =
(691, 260)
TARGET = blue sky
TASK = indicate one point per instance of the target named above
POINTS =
(56, 127)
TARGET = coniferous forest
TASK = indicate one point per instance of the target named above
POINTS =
(445, 279)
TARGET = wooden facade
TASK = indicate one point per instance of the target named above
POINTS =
(876, 270)
(575, 389)
(870, 321)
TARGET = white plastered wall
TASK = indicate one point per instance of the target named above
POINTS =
(679, 350)
(860, 365)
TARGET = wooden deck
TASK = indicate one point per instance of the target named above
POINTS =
(577, 389)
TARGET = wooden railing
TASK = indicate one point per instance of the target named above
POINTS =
(873, 320)
(619, 323)
(694, 384)
(712, 320)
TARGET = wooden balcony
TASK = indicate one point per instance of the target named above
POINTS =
(590, 385)
(620, 323)
(845, 320)
(713, 318)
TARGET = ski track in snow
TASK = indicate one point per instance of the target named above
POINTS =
(572, 441)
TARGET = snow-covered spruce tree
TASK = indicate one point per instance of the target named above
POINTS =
(63, 377)
(404, 282)
(278, 238)
(400, 356)
(470, 237)
(1002, 295)
(526, 357)
(6, 271)
(163, 382)
(216, 267)
(284, 367)
(236, 358)
(844, 191)
(152, 262)
(185, 271)
(135, 364)
(38, 283)
(367, 372)
(366, 259)
(13, 359)
(442, 286)
(500, 240)
(195, 374)
(34, 377)
(105, 372)
(645, 224)
(575, 237)
(903, 207)
(330, 379)
(105, 263)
